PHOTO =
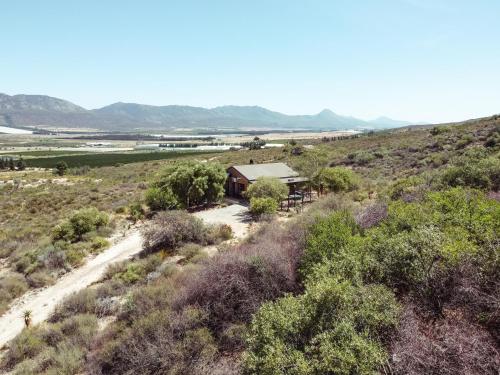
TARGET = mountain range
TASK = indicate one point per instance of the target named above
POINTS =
(45, 111)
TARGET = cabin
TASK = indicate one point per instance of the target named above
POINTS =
(239, 177)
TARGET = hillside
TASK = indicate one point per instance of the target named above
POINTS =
(393, 271)
(39, 110)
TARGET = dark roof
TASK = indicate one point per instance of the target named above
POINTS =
(254, 171)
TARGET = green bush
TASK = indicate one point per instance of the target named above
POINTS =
(136, 211)
(332, 240)
(263, 206)
(61, 168)
(26, 345)
(80, 223)
(406, 186)
(335, 327)
(336, 179)
(267, 187)
(160, 199)
(187, 184)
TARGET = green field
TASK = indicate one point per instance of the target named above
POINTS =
(108, 159)
(43, 153)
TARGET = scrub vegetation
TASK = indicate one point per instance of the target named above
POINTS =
(394, 271)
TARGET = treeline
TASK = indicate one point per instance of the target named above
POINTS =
(12, 164)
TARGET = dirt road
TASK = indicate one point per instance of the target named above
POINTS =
(235, 215)
(42, 302)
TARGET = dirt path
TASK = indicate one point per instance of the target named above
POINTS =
(234, 215)
(42, 302)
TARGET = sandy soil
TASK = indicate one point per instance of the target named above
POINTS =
(235, 215)
(41, 302)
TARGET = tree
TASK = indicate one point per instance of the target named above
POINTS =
(187, 184)
(21, 164)
(267, 187)
(255, 144)
(12, 165)
(61, 168)
(336, 179)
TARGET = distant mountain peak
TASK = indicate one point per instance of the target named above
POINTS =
(37, 110)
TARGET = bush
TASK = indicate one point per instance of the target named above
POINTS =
(336, 179)
(136, 211)
(40, 279)
(61, 168)
(406, 188)
(160, 199)
(455, 346)
(187, 184)
(169, 230)
(333, 328)
(267, 187)
(26, 345)
(331, 240)
(263, 206)
(80, 223)
(82, 302)
(221, 232)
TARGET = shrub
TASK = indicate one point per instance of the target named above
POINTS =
(40, 279)
(372, 215)
(467, 175)
(455, 346)
(190, 250)
(263, 206)
(136, 212)
(15, 285)
(362, 157)
(331, 240)
(80, 223)
(267, 187)
(333, 328)
(98, 243)
(169, 230)
(405, 187)
(223, 232)
(25, 345)
(406, 260)
(82, 302)
(160, 199)
(61, 168)
(336, 179)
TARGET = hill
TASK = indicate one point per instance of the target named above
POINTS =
(40, 110)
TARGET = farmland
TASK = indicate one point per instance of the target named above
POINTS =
(107, 159)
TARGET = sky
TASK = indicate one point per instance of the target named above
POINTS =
(416, 60)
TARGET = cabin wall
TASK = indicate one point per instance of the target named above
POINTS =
(236, 183)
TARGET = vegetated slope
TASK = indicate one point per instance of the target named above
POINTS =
(399, 276)
(33, 110)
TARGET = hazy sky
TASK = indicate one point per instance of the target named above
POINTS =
(420, 60)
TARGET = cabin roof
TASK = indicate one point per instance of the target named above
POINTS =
(253, 171)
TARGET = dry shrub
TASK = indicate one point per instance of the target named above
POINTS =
(190, 322)
(82, 302)
(372, 215)
(232, 286)
(168, 230)
(159, 343)
(447, 346)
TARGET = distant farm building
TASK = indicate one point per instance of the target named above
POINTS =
(239, 177)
